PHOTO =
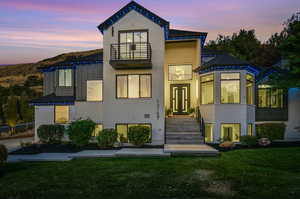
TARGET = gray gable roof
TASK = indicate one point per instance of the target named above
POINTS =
(225, 60)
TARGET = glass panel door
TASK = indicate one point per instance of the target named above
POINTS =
(180, 98)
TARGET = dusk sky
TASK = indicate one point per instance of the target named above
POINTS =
(31, 30)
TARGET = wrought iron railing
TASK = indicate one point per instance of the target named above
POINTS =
(130, 51)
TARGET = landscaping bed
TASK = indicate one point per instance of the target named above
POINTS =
(274, 144)
(6, 136)
(67, 148)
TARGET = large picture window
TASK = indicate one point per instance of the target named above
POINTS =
(65, 77)
(94, 90)
(250, 89)
(230, 88)
(132, 44)
(269, 97)
(61, 114)
(180, 72)
(122, 130)
(207, 89)
(134, 86)
(230, 132)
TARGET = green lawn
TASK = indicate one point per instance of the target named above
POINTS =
(256, 174)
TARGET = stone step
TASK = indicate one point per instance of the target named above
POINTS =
(200, 141)
(190, 149)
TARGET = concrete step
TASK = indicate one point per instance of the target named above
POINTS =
(185, 141)
(190, 149)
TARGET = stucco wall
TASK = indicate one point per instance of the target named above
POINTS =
(180, 53)
(89, 110)
(134, 110)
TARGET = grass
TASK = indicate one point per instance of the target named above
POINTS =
(260, 173)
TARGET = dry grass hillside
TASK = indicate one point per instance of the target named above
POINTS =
(17, 74)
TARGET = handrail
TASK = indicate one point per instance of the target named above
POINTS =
(130, 51)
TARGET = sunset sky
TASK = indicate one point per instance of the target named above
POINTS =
(31, 30)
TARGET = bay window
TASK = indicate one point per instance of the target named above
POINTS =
(230, 132)
(269, 97)
(207, 89)
(209, 136)
(65, 77)
(250, 88)
(250, 129)
(230, 88)
(94, 90)
(134, 86)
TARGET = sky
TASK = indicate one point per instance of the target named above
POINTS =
(32, 30)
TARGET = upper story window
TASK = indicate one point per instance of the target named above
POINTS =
(180, 72)
(207, 89)
(230, 88)
(250, 89)
(94, 90)
(133, 44)
(65, 77)
(269, 97)
(134, 86)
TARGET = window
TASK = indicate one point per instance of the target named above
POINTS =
(180, 72)
(134, 86)
(230, 88)
(132, 44)
(250, 129)
(250, 88)
(61, 114)
(65, 77)
(269, 97)
(122, 130)
(230, 132)
(98, 129)
(94, 90)
(209, 136)
(207, 89)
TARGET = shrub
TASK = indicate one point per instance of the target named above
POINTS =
(273, 131)
(51, 133)
(264, 142)
(107, 137)
(80, 132)
(227, 145)
(3, 154)
(248, 140)
(139, 135)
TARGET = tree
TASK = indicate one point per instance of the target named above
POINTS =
(290, 49)
(12, 115)
(26, 111)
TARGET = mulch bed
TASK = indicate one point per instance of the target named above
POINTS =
(275, 144)
(66, 148)
(20, 135)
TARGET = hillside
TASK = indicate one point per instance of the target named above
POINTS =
(17, 74)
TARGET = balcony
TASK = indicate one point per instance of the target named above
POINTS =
(131, 56)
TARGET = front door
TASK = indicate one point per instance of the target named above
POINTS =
(180, 98)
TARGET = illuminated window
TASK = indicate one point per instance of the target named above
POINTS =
(230, 88)
(209, 136)
(269, 97)
(65, 77)
(207, 89)
(122, 130)
(94, 90)
(250, 89)
(250, 129)
(98, 129)
(61, 114)
(230, 132)
(180, 72)
(134, 86)
(133, 45)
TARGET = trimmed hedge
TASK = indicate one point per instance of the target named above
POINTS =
(248, 140)
(107, 137)
(80, 132)
(3, 154)
(139, 135)
(51, 133)
(273, 131)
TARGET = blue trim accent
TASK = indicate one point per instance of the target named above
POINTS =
(270, 72)
(72, 65)
(52, 103)
(202, 39)
(249, 68)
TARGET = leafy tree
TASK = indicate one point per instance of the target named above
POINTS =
(12, 115)
(26, 111)
(290, 49)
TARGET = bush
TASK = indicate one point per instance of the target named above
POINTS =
(107, 137)
(80, 132)
(3, 154)
(264, 142)
(248, 140)
(227, 145)
(273, 131)
(139, 135)
(51, 133)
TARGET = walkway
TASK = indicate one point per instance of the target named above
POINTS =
(14, 144)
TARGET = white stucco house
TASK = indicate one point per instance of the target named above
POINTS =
(147, 69)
